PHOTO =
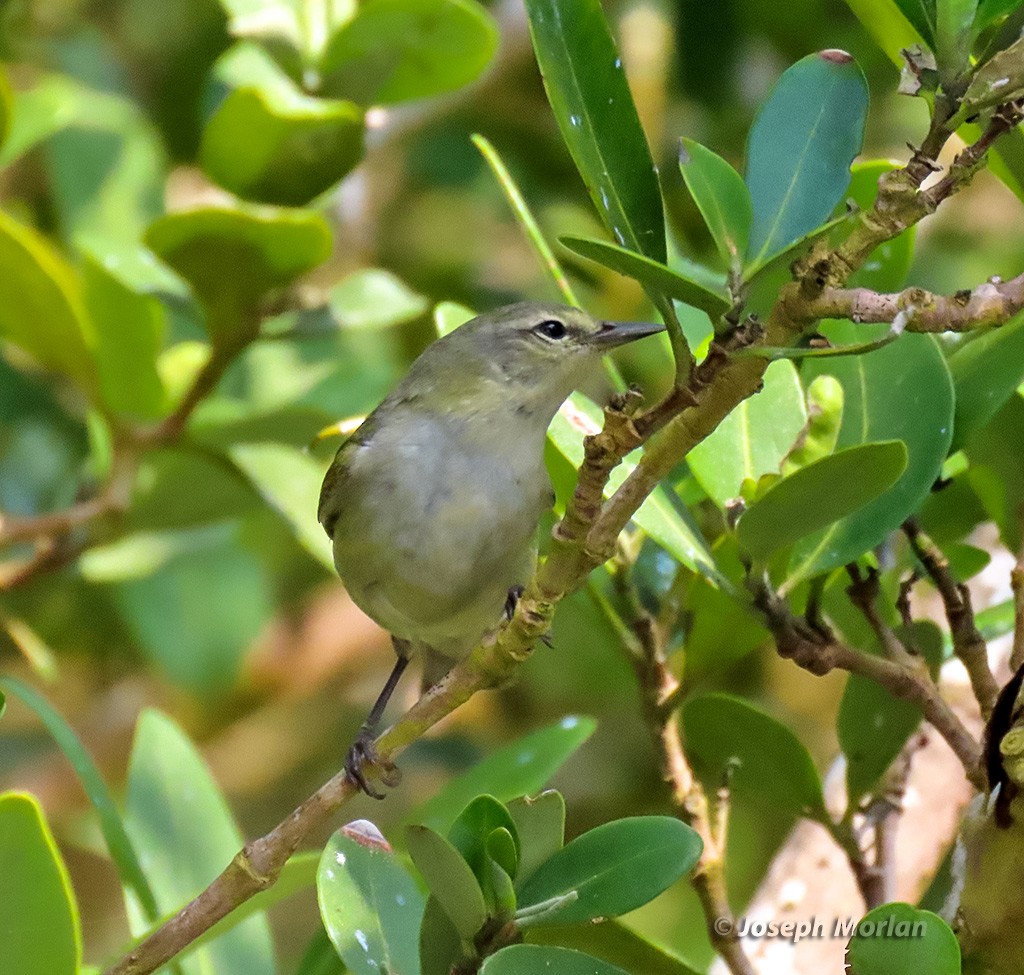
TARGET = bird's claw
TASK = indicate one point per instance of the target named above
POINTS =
(362, 753)
(515, 593)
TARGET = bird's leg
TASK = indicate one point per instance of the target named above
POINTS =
(363, 750)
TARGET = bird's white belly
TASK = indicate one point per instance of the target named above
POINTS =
(429, 541)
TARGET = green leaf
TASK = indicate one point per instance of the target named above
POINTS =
(522, 768)
(888, 264)
(991, 83)
(471, 833)
(320, 958)
(374, 298)
(398, 50)
(296, 146)
(722, 198)
(369, 904)
(614, 942)
(196, 617)
(954, 32)
(233, 256)
(129, 335)
(900, 392)
(41, 306)
(873, 725)
(441, 945)
(986, 371)
(614, 868)
(801, 146)
(920, 13)
(289, 482)
(888, 26)
(449, 315)
(591, 101)
(543, 960)
(42, 935)
(107, 167)
(754, 438)
(820, 494)
(449, 878)
(111, 825)
(269, 20)
(6, 106)
(540, 825)
(652, 274)
(767, 761)
(671, 527)
(900, 938)
(180, 823)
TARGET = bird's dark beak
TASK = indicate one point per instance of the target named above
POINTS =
(612, 334)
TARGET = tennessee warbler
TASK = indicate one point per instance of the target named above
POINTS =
(433, 503)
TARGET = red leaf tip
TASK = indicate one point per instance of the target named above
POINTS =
(366, 834)
(835, 55)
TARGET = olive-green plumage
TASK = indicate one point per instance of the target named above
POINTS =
(433, 503)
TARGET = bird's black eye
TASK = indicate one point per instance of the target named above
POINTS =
(552, 329)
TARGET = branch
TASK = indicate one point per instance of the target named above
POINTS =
(658, 685)
(917, 310)
(968, 643)
(821, 653)
(1017, 584)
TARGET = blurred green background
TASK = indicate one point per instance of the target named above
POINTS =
(215, 612)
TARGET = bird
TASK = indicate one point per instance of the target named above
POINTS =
(432, 504)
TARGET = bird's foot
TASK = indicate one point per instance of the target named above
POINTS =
(364, 752)
(515, 593)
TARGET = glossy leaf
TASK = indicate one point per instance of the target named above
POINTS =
(540, 825)
(722, 198)
(613, 942)
(873, 725)
(296, 146)
(374, 298)
(442, 948)
(111, 824)
(754, 438)
(522, 768)
(545, 959)
(887, 266)
(398, 50)
(801, 146)
(887, 25)
(670, 526)
(954, 31)
(449, 315)
(232, 256)
(820, 494)
(986, 372)
(591, 101)
(900, 392)
(449, 878)
(320, 958)
(901, 938)
(370, 905)
(6, 106)
(996, 82)
(107, 167)
(41, 932)
(37, 286)
(197, 616)
(289, 482)
(185, 837)
(824, 420)
(920, 13)
(129, 335)
(655, 276)
(471, 832)
(766, 760)
(614, 868)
